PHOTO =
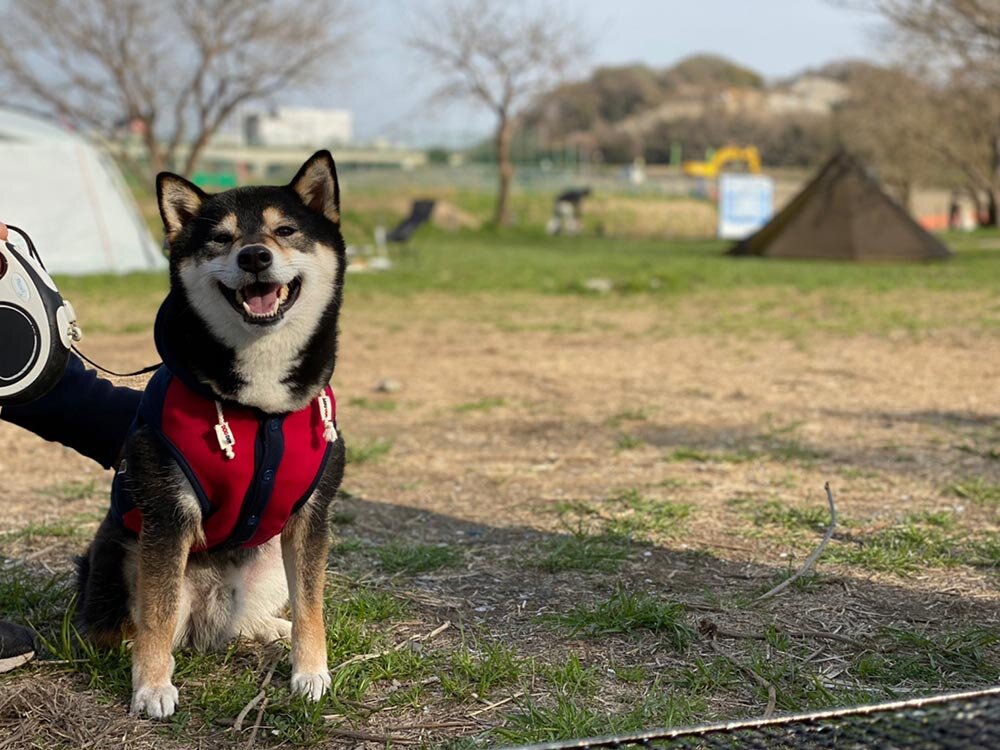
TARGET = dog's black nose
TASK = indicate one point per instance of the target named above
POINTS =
(254, 258)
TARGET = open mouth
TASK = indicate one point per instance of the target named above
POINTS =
(263, 302)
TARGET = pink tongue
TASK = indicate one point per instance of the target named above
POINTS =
(262, 298)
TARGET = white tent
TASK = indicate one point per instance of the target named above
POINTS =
(71, 199)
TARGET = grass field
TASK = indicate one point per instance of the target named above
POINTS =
(563, 521)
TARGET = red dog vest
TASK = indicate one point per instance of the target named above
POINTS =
(250, 471)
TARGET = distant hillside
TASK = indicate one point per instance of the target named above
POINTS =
(701, 102)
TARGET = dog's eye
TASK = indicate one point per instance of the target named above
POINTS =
(222, 238)
(285, 231)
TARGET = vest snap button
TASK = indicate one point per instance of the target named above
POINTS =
(268, 475)
(273, 425)
(252, 521)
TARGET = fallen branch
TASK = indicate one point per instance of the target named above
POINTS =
(398, 647)
(811, 560)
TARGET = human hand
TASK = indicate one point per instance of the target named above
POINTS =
(3, 232)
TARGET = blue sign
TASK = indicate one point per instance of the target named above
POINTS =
(746, 203)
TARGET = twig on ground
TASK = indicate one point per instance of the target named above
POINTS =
(491, 706)
(238, 721)
(398, 647)
(383, 739)
(811, 560)
(259, 700)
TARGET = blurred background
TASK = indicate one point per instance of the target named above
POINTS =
(494, 112)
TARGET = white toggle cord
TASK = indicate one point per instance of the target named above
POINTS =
(326, 414)
(225, 435)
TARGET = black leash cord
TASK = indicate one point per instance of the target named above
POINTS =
(106, 371)
(81, 355)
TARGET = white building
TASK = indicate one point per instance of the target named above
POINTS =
(309, 127)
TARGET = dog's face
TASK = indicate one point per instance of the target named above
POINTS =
(256, 261)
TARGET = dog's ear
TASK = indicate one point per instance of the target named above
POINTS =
(316, 184)
(179, 201)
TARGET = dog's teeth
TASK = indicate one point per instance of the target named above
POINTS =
(282, 294)
(247, 307)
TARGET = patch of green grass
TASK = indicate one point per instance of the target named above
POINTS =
(797, 687)
(572, 716)
(628, 415)
(710, 456)
(483, 404)
(985, 551)
(909, 659)
(379, 404)
(640, 515)
(901, 549)
(400, 557)
(706, 678)
(626, 612)
(978, 490)
(628, 442)
(571, 678)
(367, 451)
(788, 449)
(584, 552)
(59, 529)
(941, 519)
(343, 517)
(792, 518)
(477, 670)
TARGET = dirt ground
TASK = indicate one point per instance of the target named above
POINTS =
(505, 436)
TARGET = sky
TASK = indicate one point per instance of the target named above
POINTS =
(390, 97)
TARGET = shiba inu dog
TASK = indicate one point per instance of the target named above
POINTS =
(219, 516)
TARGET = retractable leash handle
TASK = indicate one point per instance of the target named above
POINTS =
(37, 326)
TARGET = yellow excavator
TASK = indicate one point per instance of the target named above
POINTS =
(749, 156)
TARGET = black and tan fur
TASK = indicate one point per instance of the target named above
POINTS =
(152, 588)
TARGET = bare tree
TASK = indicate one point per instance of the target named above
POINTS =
(172, 72)
(886, 119)
(956, 43)
(499, 55)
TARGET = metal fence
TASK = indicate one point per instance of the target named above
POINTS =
(959, 721)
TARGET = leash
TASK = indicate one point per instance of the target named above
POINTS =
(33, 252)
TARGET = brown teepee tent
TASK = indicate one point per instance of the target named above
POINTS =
(843, 214)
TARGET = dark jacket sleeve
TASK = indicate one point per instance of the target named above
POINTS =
(83, 412)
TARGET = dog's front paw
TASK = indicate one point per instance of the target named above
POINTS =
(156, 702)
(311, 685)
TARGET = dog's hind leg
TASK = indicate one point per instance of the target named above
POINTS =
(102, 602)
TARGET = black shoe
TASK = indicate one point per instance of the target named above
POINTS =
(17, 646)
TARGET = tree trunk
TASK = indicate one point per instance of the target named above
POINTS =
(504, 135)
(977, 204)
(194, 153)
(157, 162)
(906, 196)
(992, 219)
